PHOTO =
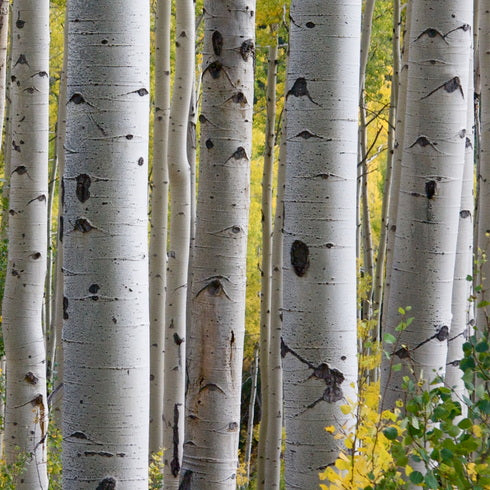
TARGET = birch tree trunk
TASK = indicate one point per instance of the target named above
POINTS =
(266, 273)
(319, 330)
(483, 313)
(105, 307)
(4, 29)
(430, 193)
(178, 255)
(26, 421)
(218, 290)
(158, 220)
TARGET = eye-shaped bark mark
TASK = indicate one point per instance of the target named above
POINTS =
(83, 225)
(31, 378)
(217, 41)
(423, 141)
(441, 335)
(83, 185)
(107, 484)
(35, 256)
(175, 463)
(310, 25)
(41, 198)
(463, 27)
(306, 135)
(333, 378)
(20, 170)
(79, 435)
(31, 90)
(465, 213)
(209, 144)
(186, 483)
(433, 33)
(141, 92)
(94, 288)
(22, 60)
(65, 308)
(450, 86)
(19, 23)
(430, 189)
(77, 98)
(214, 69)
(300, 89)
(300, 257)
(247, 49)
(214, 287)
(211, 387)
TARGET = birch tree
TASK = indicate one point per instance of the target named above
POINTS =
(105, 306)
(319, 330)
(26, 422)
(430, 192)
(178, 255)
(218, 289)
(159, 217)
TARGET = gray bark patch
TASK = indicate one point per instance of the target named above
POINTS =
(107, 484)
(83, 185)
(217, 41)
(300, 257)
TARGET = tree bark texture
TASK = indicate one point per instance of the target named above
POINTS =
(26, 421)
(319, 331)
(105, 305)
(218, 290)
(430, 191)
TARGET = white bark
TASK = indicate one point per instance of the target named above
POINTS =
(274, 427)
(461, 306)
(251, 412)
(266, 272)
(4, 29)
(178, 255)
(159, 217)
(218, 290)
(319, 330)
(430, 192)
(26, 403)
(105, 308)
(483, 217)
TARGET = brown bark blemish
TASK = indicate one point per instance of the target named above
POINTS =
(423, 141)
(239, 98)
(468, 143)
(247, 49)
(107, 484)
(61, 228)
(83, 185)
(443, 333)
(402, 353)
(19, 23)
(31, 378)
(232, 427)
(430, 189)
(300, 259)
(65, 308)
(432, 33)
(79, 435)
(175, 463)
(240, 154)
(129, 136)
(83, 225)
(77, 98)
(217, 41)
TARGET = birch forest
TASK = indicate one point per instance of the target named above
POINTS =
(244, 244)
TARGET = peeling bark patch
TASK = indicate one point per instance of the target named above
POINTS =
(94, 288)
(31, 378)
(209, 144)
(247, 49)
(300, 89)
(83, 225)
(65, 308)
(107, 484)
(77, 99)
(217, 41)
(465, 213)
(430, 189)
(432, 33)
(186, 482)
(83, 185)
(300, 257)
(178, 340)
(175, 464)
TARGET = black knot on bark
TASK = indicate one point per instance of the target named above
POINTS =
(83, 185)
(443, 333)
(217, 41)
(430, 189)
(300, 259)
(107, 484)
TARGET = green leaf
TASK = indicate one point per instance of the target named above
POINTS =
(389, 339)
(430, 480)
(482, 346)
(465, 424)
(482, 304)
(416, 477)
(396, 367)
(391, 433)
(401, 311)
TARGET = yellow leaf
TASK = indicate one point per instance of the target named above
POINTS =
(345, 409)
(330, 429)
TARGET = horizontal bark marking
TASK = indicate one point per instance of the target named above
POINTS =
(104, 454)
